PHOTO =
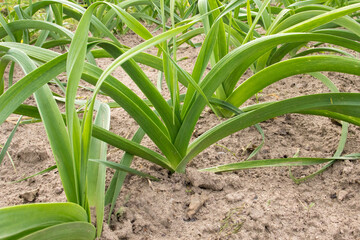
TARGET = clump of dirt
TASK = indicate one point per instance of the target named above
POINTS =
(205, 180)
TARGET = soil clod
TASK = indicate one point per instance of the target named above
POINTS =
(205, 180)
(196, 202)
(29, 197)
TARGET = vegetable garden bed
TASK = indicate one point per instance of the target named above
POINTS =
(263, 203)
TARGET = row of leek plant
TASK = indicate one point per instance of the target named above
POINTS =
(77, 155)
(170, 127)
(293, 17)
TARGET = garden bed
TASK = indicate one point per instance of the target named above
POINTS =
(249, 204)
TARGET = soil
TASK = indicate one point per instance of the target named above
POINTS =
(249, 204)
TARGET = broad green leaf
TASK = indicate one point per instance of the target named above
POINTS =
(35, 24)
(22, 89)
(6, 28)
(291, 67)
(54, 126)
(19, 221)
(64, 231)
(323, 18)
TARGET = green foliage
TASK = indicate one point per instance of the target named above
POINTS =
(44, 221)
(232, 45)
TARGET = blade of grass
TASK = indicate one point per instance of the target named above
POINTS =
(340, 148)
(49, 169)
(110, 138)
(258, 16)
(166, 146)
(121, 167)
(280, 162)
(343, 137)
(8, 141)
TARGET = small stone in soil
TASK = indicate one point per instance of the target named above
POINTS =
(58, 190)
(30, 196)
(196, 202)
(342, 195)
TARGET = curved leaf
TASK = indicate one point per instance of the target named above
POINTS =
(19, 221)
(64, 231)
(291, 67)
(343, 106)
(279, 162)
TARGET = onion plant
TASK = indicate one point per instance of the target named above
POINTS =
(169, 123)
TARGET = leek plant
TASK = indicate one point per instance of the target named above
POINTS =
(37, 226)
(172, 125)
(172, 128)
(295, 17)
(72, 155)
(71, 148)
